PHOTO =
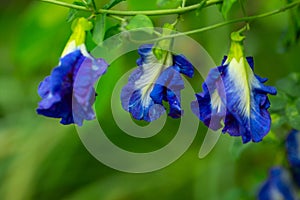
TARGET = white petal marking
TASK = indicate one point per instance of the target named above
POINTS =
(242, 78)
(152, 69)
(70, 47)
(216, 102)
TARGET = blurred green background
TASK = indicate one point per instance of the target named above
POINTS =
(42, 159)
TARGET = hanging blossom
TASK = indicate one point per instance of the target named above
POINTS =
(234, 94)
(154, 81)
(278, 186)
(293, 154)
(281, 183)
(68, 93)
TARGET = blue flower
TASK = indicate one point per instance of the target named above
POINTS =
(278, 186)
(153, 82)
(66, 95)
(234, 94)
(293, 148)
(293, 154)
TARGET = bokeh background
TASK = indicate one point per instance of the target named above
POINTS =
(42, 159)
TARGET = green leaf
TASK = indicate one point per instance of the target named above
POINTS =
(168, 3)
(279, 101)
(295, 18)
(114, 30)
(161, 48)
(287, 39)
(115, 42)
(290, 85)
(73, 13)
(297, 103)
(272, 137)
(278, 120)
(140, 21)
(202, 4)
(226, 6)
(291, 34)
(112, 3)
(293, 115)
(89, 42)
(89, 2)
(99, 29)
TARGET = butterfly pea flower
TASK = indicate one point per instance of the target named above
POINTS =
(278, 186)
(154, 81)
(293, 154)
(234, 97)
(68, 93)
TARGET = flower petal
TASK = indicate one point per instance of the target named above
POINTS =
(278, 186)
(135, 95)
(62, 94)
(209, 106)
(56, 90)
(168, 87)
(232, 92)
(293, 154)
(246, 102)
(152, 83)
(62, 76)
(84, 92)
(293, 148)
(182, 65)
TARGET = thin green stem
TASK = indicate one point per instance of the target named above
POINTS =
(67, 5)
(180, 11)
(244, 28)
(244, 19)
(132, 13)
(117, 18)
(94, 5)
(179, 17)
(183, 3)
